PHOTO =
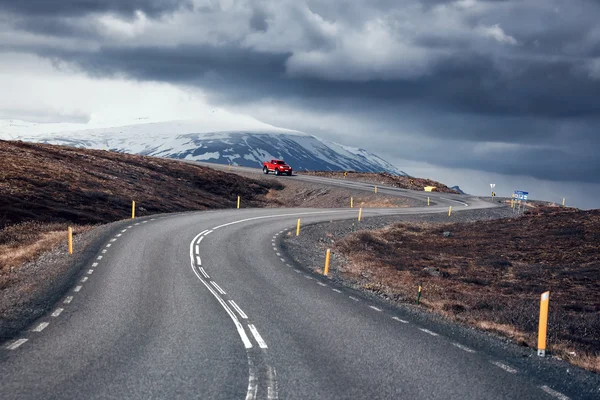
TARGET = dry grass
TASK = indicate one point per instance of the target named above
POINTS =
(404, 182)
(490, 274)
(25, 242)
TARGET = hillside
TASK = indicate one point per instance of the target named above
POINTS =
(190, 141)
(490, 274)
(47, 183)
(382, 178)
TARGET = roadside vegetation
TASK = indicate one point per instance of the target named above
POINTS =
(490, 274)
(384, 178)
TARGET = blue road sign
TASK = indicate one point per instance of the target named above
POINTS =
(521, 195)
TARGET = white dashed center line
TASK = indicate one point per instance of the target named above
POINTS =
(337, 291)
(259, 339)
(204, 273)
(57, 312)
(68, 299)
(108, 245)
(282, 260)
(198, 260)
(94, 264)
(297, 271)
(90, 271)
(99, 258)
(465, 348)
(41, 327)
(308, 277)
(375, 308)
(554, 393)
(399, 320)
(113, 240)
(321, 283)
(77, 288)
(238, 309)
(428, 332)
(505, 367)
(353, 298)
(84, 279)
(217, 287)
(119, 235)
(16, 344)
(278, 254)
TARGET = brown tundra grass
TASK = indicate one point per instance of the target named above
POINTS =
(490, 275)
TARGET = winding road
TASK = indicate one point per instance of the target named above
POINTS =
(205, 305)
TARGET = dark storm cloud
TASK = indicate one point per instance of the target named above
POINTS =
(61, 8)
(456, 78)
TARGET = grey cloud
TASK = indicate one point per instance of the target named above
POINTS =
(63, 8)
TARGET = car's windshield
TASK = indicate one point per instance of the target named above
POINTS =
(280, 162)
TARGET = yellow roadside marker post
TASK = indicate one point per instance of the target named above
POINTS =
(238, 202)
(298, 228)
(133, 210)
(428, 200)
(419, 293)
(544, 301)
(327, 255)
(359, 214)
(351, 202)
(564, 201)
(375, 189)
(70, 235)
(450, 211)
(229, 167)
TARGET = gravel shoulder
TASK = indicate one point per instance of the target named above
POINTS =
(45, 280)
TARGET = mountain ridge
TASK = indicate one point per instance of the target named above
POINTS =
(184, 140)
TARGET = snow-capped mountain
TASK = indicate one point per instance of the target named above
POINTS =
(185, 140)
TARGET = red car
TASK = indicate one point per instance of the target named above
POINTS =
(277, 166)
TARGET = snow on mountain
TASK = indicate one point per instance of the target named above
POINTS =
(185, 140)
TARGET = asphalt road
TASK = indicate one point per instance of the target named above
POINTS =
(204, 305)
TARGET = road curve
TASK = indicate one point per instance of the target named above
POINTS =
(205, 305)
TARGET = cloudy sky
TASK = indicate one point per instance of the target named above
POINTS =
(469, 92)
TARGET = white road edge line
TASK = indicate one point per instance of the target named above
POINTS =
(57, 312)
(16, 344)
(41, 327)
(505, 367)
(554, 393)
(428, 332)
(399, 320)
(217, 287)
(465, 348)
(375, 308)
(257, 337)
(238, 309)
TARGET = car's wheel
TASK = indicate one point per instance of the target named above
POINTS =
(277, 172)
(289, 173)
(265, 170)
